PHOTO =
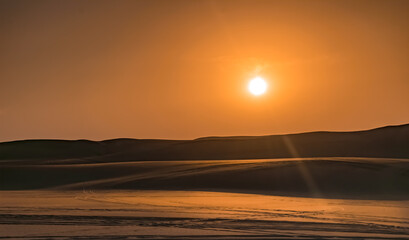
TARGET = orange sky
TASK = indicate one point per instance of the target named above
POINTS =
(179, 69)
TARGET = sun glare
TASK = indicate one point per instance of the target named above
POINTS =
(257, 86)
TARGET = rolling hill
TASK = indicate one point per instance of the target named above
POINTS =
(385, 142)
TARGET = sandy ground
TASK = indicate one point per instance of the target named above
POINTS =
(353, 178)
(297, 198)
(195, 214)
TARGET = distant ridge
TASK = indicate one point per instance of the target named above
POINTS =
(383, 142)
(288, 134)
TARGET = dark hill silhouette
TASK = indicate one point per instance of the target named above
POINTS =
(372, 164)
(385, 142)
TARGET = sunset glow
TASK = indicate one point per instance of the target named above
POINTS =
(205, 119)
(182, 69)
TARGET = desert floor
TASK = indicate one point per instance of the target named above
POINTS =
(195, 214)
(308, 198)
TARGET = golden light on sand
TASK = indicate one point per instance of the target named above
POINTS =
(257, 86)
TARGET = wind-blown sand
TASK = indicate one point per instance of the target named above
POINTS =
(346, 185)
(195, 215)
(351, 198)
(361, 178)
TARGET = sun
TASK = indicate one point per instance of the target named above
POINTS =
(257, 86)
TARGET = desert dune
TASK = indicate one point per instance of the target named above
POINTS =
(385, 142)
(278, 186)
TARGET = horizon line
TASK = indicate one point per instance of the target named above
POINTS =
(210, 137)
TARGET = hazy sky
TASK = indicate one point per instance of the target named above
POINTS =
(179, 69)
